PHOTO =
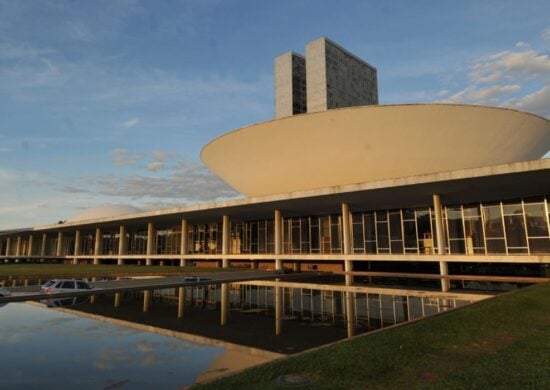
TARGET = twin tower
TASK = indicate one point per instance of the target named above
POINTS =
(327, 77)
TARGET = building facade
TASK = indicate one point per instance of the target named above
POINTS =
(327, 77)
(436, 188)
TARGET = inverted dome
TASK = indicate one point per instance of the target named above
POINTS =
(112, 210)
(362, 144)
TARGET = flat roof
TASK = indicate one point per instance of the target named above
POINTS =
(500, 182)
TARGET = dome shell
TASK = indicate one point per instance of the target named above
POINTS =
(105, 211)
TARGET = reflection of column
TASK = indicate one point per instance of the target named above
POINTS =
(117, 299)
(278, 224)
(278, 310)
(225, 240)
(18, 246)
(43, 245)
(97, 245)
(350, 313)
(59, 247)
(76, 246)
(29, 249)
(121, 244)
(150, 243)
(224, 303)
(440, 232)
(253, 264)
(346, 233)
(181, 300)
(146, 300)
(184, 245)
(92, 297)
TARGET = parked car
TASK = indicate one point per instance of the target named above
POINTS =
(64, 285)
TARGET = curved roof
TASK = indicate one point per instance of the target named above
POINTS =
(111, 210)
(362, 144)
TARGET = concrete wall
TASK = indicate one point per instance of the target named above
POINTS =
(336, 78)
(290, 85)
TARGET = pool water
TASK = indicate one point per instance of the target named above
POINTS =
(45, 348)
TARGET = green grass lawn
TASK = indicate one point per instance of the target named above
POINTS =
(500, 343)
(81, 270)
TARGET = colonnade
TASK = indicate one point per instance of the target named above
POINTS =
(225, 244)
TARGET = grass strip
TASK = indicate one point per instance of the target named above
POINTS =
(81, 270)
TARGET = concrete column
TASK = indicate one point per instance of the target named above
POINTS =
(29, 249)
(121, 244)
(146, 300)
(226, 239)
(278, 227)
(77, 239)
(43, 245)
(59, 245)
(117, 299)
(8, 246)
(97, 245)
(150, 243)
(18, 246)
(346, 233)
(440, 232)
(184, 243)
(278, 310)
(224, 303)
(181, 301)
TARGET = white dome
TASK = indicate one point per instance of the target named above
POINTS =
(111, 210)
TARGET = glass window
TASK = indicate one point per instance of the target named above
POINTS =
(410, 234)
(539, 245)
(473, 234)
(493, 222)
(454, 221)
(395, 226)
(68, 285)
(515, 231)
(537, 225)
(511, 209)
(496, 246)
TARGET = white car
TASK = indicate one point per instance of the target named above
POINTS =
(64, 285)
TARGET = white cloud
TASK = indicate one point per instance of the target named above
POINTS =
(488, 95)
(508, 64)
(546, 34)
(130, 123)
(536, 102)
(124, 158)
(185, 183)
(156, 166)
(522, 44)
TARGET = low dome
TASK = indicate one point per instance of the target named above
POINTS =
(105, 211)
(364, 144)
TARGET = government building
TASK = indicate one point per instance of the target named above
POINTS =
(337, 182)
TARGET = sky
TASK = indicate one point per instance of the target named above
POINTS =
(110, 102)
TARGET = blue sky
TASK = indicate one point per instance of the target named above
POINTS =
(110, 102)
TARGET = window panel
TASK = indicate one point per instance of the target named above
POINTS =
(515, 231)
(537, 224)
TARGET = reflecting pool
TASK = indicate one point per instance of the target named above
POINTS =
(45, 348)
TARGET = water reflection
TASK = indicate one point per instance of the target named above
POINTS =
(44, 348)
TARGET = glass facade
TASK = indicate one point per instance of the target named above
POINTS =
(498, 228)
(168, 240)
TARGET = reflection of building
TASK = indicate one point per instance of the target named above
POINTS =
(355, 186)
